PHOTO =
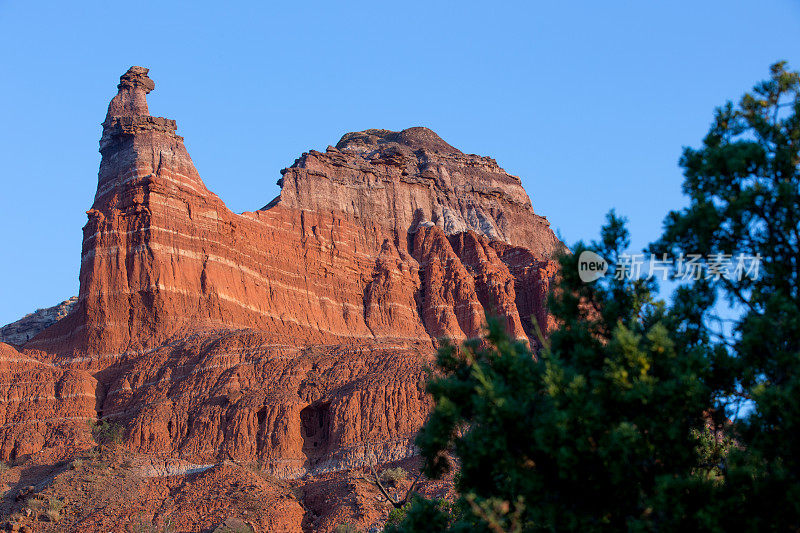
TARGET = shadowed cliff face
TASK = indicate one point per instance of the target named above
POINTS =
(294, 336)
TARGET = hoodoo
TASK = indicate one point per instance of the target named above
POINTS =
(294, 336)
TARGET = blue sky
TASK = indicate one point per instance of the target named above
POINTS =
(589, 102)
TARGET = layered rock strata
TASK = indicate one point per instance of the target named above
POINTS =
(295, 336)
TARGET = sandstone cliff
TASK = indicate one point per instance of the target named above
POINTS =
(293, 337)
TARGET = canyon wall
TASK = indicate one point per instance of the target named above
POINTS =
(295, 336)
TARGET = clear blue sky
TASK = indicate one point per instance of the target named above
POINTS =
(589, 102)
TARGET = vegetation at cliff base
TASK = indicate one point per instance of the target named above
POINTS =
(106, 433)
(630, 417)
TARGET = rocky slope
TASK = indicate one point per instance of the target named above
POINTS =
(32, 324)
(110, 491)
(294, 337)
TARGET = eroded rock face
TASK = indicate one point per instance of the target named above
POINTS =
(43, 405)
(405, 179)
(294, 337)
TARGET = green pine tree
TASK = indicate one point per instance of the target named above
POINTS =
(744, 191)
(585, 437)
(623, 420)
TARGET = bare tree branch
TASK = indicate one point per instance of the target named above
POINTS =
(397, 504)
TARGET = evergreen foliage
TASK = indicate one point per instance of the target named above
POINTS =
(630, 416)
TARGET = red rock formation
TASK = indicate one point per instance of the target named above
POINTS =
(330, 259)
(294, 336)
(402, 179)
(42, 405)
